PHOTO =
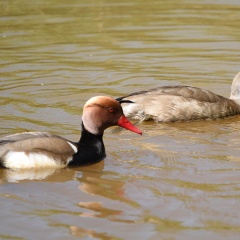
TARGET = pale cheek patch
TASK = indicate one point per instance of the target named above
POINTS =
(21, 160)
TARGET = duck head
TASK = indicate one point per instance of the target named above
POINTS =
(102, 112)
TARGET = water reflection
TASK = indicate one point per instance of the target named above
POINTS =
(11, 175)
(178, 181)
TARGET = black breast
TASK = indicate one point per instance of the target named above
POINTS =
(90, 149)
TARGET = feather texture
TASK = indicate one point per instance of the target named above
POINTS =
(181, 103)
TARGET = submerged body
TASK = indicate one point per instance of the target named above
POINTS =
(41, 149)
(181, 103)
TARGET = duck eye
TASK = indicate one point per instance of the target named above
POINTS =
(111, 110)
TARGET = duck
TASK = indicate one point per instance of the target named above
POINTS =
(181, 103)
(42, 149)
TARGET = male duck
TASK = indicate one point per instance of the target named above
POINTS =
(42, 149)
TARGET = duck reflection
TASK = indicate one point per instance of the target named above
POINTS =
(49, 174)
(105, 199)
(82, 233)
(99, 192)
(12, 175)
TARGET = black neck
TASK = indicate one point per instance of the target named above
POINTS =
(90, 149)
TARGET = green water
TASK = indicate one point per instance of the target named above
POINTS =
(177, 181)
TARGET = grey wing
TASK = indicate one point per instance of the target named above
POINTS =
(25, 135)
(51, 145)
(180, 91)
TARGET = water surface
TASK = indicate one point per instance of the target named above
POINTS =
(178, 180)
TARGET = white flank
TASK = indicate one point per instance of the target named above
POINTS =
(21, 160)
(73, 147)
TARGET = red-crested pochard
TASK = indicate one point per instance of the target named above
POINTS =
(42, 149)
(181, 103)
